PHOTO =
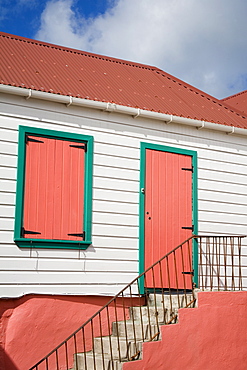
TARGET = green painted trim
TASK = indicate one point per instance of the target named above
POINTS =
(164, 148)
(20, 183)
(195, 218)
(87, 227)
(55, 244)
(142, 216)
(170, 149)
(88, 195)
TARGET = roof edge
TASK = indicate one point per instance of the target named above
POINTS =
(77, 51)
(203, 94)
(234, 95)
(159, 72)
(111, 107)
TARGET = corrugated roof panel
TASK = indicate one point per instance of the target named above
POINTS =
(238, 101)
(45, 67)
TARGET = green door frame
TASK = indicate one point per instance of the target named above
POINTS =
(164, 148)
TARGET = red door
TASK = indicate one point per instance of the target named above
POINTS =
(168, 212)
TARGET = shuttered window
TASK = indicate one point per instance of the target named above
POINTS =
(54, 194)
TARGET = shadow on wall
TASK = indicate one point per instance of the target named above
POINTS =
(5, 361)
(31, 326)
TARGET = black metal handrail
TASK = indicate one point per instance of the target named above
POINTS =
(220, 263)
(115, 332)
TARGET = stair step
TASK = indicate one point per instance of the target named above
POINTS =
(167, 300)
(165, 308)
(141, 327)
(120, 348)
(134, 329)
(93, 361)
(152, 314)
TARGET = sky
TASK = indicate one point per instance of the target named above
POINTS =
(202, 42)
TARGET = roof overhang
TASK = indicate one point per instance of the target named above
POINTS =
(111, 107)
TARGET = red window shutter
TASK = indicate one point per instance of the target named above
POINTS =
(54, 189)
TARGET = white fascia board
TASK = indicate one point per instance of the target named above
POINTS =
(111, 107)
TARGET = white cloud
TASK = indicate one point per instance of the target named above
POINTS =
(202, 42)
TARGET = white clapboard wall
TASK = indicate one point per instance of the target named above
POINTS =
(112, 260)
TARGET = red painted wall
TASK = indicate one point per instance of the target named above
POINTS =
(210, 337)
(31, 326)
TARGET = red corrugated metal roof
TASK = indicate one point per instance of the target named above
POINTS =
(45, 67)
(238, 101)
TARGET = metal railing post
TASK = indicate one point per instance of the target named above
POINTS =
(217, 265)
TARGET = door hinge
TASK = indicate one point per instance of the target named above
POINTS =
(79, 235)
(81, 146)
(188, 169)
(33, 140)
(188, 272)
(24, 232)
(188, 228)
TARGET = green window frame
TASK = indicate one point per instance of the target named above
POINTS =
(30, 242)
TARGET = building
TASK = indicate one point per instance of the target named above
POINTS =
(71, 238)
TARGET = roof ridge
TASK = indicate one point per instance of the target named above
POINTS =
(77, 51)
(202, 93)
(234, 95)
(185, 84)
(240, 112)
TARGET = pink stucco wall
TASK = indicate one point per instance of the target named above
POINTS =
(31, 326)
(210, 337)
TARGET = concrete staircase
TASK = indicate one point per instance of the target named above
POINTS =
(125, 343)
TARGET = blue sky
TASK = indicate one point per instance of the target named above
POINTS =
(202, 42)
(23, 17)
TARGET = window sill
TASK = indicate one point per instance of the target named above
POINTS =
(49, 244)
